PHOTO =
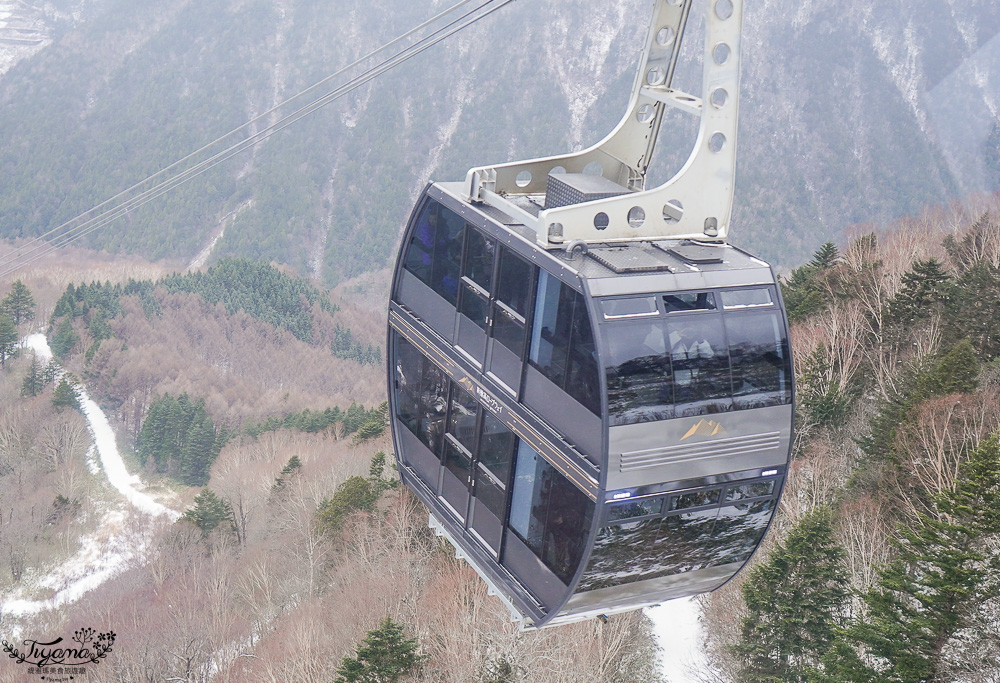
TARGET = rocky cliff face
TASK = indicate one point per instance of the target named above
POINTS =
(848, 115)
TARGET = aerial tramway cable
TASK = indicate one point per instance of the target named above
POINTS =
(72, 230)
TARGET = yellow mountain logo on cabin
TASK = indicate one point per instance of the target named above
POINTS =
(705, 428)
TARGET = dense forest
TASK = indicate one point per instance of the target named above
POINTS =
(885, 564)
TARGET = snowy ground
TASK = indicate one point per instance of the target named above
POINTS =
(123, 534)
(678, 630)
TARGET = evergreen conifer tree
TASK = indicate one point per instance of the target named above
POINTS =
(385, 656)
(65, 339)
(19, 303)
(804, 292)
(8, 338)
(209, 512)
(942, 570)
(33, 383)
(64, 395)
(794, 601)
(290, 469)
(923, 290)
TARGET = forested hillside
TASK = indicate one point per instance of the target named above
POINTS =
(849, 114)
(886, 561)
(231, 398)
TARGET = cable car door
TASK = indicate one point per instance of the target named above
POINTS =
(459, 450)
(495, 291)
(476, 467)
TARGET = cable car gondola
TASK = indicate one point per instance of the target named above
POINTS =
(590, 389)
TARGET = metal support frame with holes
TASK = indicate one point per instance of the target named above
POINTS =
(697, 202)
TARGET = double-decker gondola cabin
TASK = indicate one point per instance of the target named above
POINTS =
(589, 388)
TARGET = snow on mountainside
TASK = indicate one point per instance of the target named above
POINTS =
(851, 113)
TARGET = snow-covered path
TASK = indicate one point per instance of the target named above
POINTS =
(108, 550)
(679, 633)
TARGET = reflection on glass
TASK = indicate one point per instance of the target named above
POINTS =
(496, 447)
(640, 386)
(629, 308)
(624, 553)
(695, 499)
(747, 298)
(479, 259)
(462, 421)
(700, 356)
(562, 341)
(635, 508)
(491, 494)
(515, 282)
(682, 541)
(549, 514)
(550, 331)
(457, 460)
(692, 301)
(422, 395)
(475, 303)
(761, 368)
(739, 530)
(756, 490)
(581, 381)
(699, 363)
(435, 251)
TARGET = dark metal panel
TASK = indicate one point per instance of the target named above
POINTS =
(667, 282)
(471, 339)
(506, 366)
(427, 305)
(418, 457)
(578, 425)
(536, 577)
(695, 447)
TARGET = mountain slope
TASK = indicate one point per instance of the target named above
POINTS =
(849, 114)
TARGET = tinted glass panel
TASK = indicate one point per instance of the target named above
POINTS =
(761, 367)
(581, 380)
(640, 384)
(515, 282)
(695, 499)
(738, 530)
(420, 252)
(462, 420)
(624, 553)
(704, 535)
(479, 255)
(692, 301)
(549, 514)
(747, 298)
(629, 308)
(508, 329)
(702, 382)
(475, 303)
(422, 395)
(550, 330)
(756, 490)
(635, 508)
(490, 494)
(562, 341)
(457, 460)
(496, 448)
(434, 252)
